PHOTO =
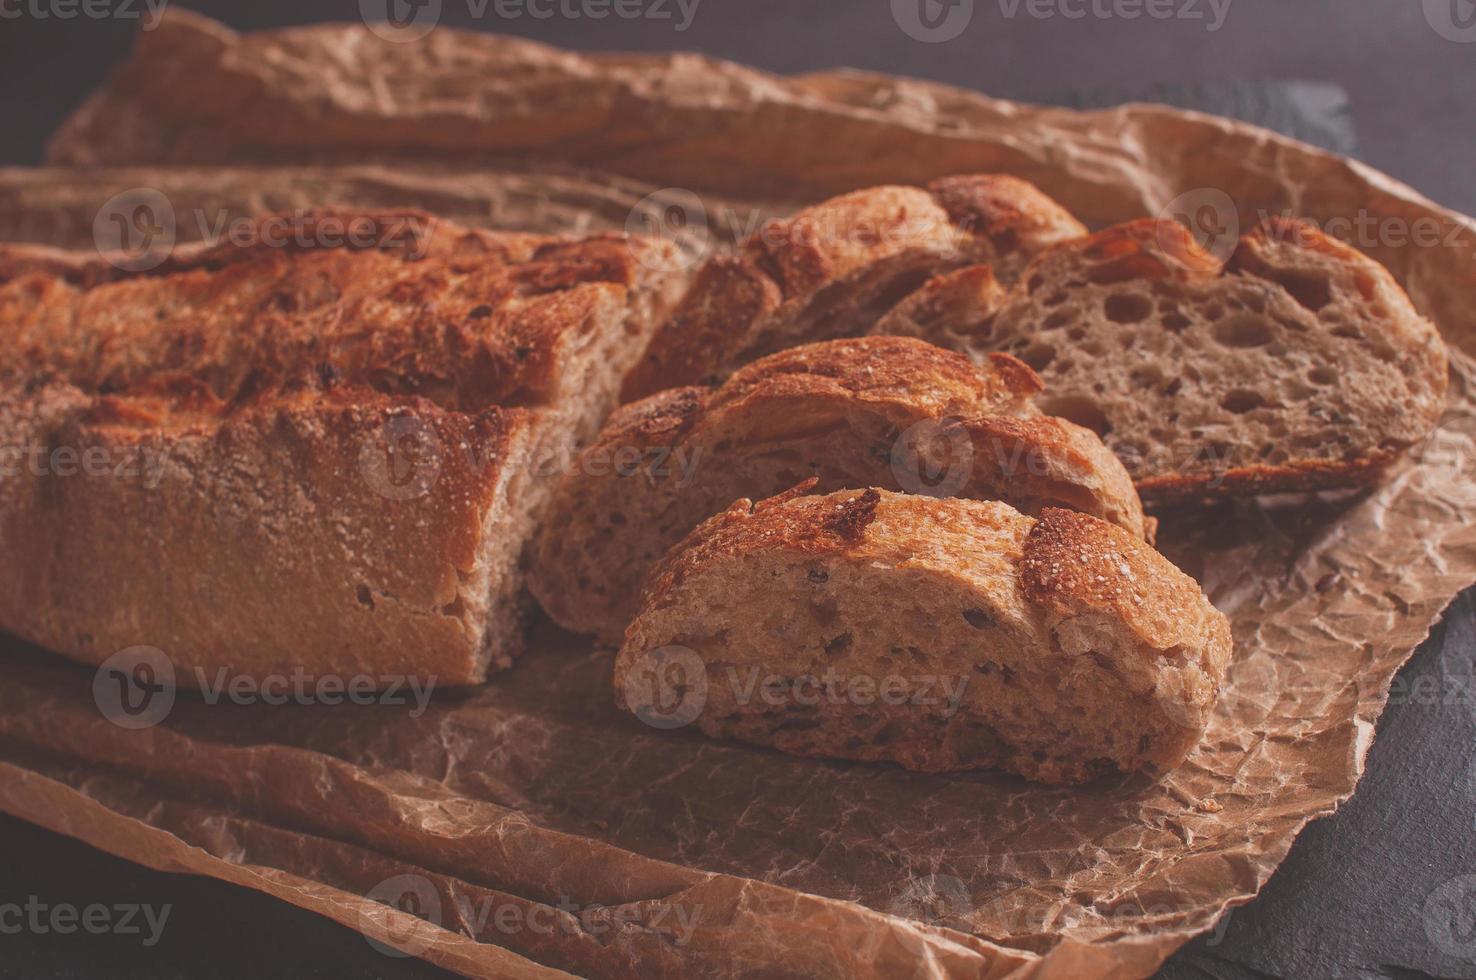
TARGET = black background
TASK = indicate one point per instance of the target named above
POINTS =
(1354, 898)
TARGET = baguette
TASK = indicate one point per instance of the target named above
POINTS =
(890, 412)
(1297, 364)
(833, 269)
(940, 634)
(307, 458)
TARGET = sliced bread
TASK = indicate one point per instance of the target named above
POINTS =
(833, 269)
(880, 411)
(940, 634)
(1299, 363)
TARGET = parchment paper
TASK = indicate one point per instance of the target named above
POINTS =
(536, 830)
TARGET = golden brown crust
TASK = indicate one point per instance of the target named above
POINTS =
(286, 389)
(478, 321)
(836, 268)
(1075, 565)
(879, 368)
(1012, 215)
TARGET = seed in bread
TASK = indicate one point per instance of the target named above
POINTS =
(940, 634)
(877, 411)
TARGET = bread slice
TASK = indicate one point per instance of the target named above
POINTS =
(880, 411)
(833, 269)
(323, 458)
(1297, 364)
(939, 634)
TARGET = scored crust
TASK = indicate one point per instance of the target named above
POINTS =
(834, 269)
(1297, 363)
(345, 443)
(1074, 650)
(882, 411)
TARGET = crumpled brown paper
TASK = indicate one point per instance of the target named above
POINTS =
(536, 830)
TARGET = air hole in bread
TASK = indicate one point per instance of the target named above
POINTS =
(1056, 299)
(838, 645)
(1146, 376)
(1175, 322)
(1056, 320)
(978, 619)
(1242, 400)
(1036, 281)
(1128, 308)
(365, 596)
(1038, 355)
(1083, 411)
(1242, 331)
(1322, 376)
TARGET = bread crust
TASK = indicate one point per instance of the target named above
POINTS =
(1090, 653)
(886, 411)
(279, 394)
(835, 268)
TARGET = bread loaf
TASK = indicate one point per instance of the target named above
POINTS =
(303, 456)
(939, 634)
(879, 411)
